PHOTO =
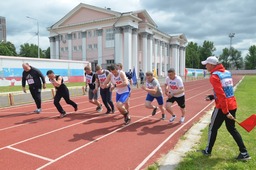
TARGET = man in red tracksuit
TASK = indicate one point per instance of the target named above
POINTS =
(225, 106)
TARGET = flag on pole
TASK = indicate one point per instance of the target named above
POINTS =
(249, 123)
(155, 73)
(134, 76)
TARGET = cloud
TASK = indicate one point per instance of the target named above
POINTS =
(199, 20)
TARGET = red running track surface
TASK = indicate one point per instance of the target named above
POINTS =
(89, 140)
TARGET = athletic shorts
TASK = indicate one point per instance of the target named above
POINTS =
(179, 100)
(160, 99)
(122, 97)
(92, 95)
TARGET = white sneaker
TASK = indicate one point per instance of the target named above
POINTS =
(37, 111)
(182, 119)
(172, 118)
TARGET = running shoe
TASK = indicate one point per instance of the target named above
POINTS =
(99, 108)
(205, 153)
(37, 111)
(108, 112)
(172, 118)
(76, 108)
(154, 111)
(243, 156)
(182, 119)
(113, 110)
(63, 114)
(163, 117)
(127, 118)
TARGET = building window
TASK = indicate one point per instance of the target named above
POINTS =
(74, 35)
(75, 48)
(110, 38)
(95, 46)
(66, 48)
(79, 35)
(89, 33)
(90, 46)
(80, 48)
(62, 49)
(110, 61)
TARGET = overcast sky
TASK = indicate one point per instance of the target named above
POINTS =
(199, 20)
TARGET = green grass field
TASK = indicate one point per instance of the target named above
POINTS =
(19, 88)
(225, 149)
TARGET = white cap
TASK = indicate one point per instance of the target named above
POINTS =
(211, 60)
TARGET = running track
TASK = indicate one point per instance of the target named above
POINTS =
(94, 141)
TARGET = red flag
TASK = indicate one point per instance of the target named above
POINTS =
(249, 123)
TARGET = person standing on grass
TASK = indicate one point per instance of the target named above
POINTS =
(34, 78)
(121, 84)
(225, 106)
(154, 92)
(93, 93)
(61, 91)
(106, 93)
(175, 91)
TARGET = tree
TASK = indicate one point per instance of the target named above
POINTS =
(7, 49)
(192, 55)
(30, 50)
(236, 59)
(250, 59)
(224, 58)
(47, 53)
(205, 51)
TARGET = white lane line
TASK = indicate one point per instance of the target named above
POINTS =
(95, 140)
(31, 154)
(56, 130)
(49, 163)
(168, 138)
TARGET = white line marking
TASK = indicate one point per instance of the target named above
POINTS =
(95, 140)
(31, 154)
(167, 139)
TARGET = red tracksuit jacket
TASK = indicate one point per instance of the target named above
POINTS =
(221, 102)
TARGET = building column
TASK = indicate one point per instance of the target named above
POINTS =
(84, 45)
(144, 51)
(174, 56)
(156, 54)
(165, 59)
(118, 45)
(52, 47)
(161, 59)
(70, 50)
(135, 50)
(57, 47)
(99, 33)
(150, 52)
(127, 48)
(182, 61)
(178, 60)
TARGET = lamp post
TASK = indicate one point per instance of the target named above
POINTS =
(37, 33)
(231, 35)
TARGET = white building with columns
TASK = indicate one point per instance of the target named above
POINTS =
(102, 36)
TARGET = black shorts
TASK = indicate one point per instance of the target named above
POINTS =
(179, 100)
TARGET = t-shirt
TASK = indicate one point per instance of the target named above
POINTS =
(174, 85)
(151, 85)
(90, 80)
(102, 77)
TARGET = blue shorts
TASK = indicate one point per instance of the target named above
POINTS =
(160, 99)
(122, 97)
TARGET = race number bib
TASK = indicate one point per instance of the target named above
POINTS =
(30, 81)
